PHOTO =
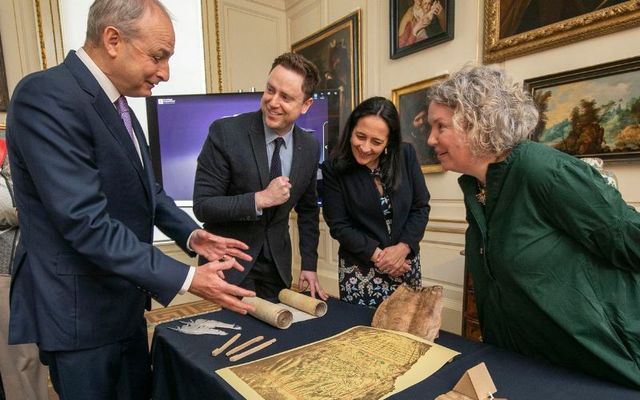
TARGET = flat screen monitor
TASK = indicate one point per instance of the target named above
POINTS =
(178, 126)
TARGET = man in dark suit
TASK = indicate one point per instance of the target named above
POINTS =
(85, 267)
(253, 169)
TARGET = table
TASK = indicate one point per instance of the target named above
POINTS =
(184, 368)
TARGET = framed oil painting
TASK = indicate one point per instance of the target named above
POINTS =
(411, 102)
(4, 87)
(336, 51)
(593, 112)
(513, 27)
(418, 24)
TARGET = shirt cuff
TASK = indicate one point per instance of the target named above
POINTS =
(187, 282)
(258, 210)
(189, 241)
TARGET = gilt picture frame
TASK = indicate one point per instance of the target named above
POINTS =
(336, 51)
(592, 111)
(419, 24)
(411, 102)
(513, 28)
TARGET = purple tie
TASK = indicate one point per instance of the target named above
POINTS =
(123, 110)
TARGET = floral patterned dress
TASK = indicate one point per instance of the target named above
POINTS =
(368, 286)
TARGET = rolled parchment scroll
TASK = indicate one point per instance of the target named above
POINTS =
(302, 302)
(269, 312)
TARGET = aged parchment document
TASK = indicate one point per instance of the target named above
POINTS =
(360, 363)
(291, 310)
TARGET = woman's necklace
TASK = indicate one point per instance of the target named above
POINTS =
(481, 196)
(377, 179)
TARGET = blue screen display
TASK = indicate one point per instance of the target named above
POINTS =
(178, 126)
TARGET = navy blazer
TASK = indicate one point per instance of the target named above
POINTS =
(351, 207)
(85, 265)
(232, 167)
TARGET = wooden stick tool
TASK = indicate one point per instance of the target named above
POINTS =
(228, 343)
(244, 345)
(253, 350)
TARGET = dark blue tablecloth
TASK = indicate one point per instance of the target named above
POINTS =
(184, 368)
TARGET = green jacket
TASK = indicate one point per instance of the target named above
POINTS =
(555, 260)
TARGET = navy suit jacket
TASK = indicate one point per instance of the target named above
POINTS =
(232, 166)
(351, 207)
(85, 265)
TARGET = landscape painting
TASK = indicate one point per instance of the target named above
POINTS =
(591, 112)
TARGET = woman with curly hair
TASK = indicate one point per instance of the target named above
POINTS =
(553, 250)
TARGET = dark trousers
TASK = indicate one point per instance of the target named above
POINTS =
(119, 370)
(264, 278)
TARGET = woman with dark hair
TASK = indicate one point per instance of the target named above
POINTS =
(376, 204)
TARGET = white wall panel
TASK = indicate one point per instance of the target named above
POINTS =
(252, 36)
(306, 17)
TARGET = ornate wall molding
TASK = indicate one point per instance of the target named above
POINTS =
(48, 23)
(212, 45)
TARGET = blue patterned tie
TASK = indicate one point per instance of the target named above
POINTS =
(276, 165)
(123, 110)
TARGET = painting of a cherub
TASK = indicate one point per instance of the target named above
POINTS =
(417, 24)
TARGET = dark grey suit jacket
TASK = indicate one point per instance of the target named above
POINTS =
(232, 167)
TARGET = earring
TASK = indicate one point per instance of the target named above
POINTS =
(385, 151)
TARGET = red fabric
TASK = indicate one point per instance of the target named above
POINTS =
(3, 150)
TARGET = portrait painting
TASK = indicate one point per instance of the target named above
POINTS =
(411, 102)
(336, 50)
(591, 112)
(418, 24)
(4, 87)
(514, 28)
